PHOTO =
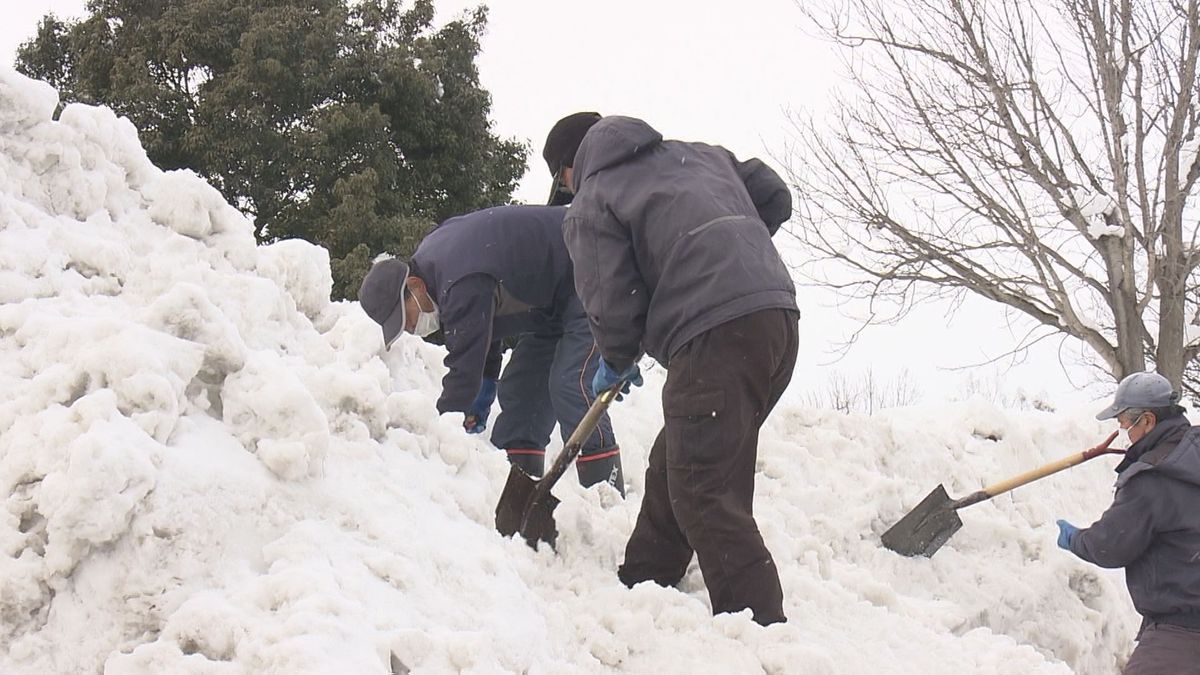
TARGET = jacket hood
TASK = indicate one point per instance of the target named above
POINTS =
(610, 141)
(1184, 462)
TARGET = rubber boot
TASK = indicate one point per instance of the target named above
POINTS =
(530, 460)
(601, 467)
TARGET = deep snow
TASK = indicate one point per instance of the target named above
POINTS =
(207, 467)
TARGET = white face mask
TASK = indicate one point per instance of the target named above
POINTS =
(1123, 434)
(427, 322)
(1123, 440)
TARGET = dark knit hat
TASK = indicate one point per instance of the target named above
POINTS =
(564, 139)
(561, 145)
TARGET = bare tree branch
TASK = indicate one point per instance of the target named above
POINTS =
(1042, 155)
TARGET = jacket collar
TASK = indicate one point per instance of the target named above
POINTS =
(1170, 429)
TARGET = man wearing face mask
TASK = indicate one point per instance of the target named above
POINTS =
(1152, 528)
(485, 277)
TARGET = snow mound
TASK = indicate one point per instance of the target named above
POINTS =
(208, 467)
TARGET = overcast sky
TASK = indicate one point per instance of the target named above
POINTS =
(728, 73)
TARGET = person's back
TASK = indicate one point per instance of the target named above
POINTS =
(1171, 563)
(520, 247)
(702, 241)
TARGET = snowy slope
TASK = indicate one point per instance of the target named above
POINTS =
(207, 467)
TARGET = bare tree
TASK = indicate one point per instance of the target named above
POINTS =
(1039, 153)
(868, 395)
(991, 386)
(840, 394)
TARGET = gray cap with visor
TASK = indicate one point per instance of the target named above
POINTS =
(1140, 391)
(382, 297)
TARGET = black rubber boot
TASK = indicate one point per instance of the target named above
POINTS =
(531, 461)
(601, 467)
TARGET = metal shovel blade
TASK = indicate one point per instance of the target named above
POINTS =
(526, 505)
(515, 496)
(926, 528)
(524, 509)
(539, 521)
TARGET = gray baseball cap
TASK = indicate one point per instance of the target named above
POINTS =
(382, 297)
(1140, 391)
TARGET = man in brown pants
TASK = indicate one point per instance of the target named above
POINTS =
(671, 243)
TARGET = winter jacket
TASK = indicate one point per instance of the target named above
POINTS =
(1152, 528)
(493, 273)
(671, 239)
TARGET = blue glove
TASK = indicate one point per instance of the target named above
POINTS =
(606, 377)
(1065, 532)
(476, 416)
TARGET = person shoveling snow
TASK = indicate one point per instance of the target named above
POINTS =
(1152, 528)
(483, 277)
(673, 251)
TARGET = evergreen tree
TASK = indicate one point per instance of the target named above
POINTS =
(354, 125)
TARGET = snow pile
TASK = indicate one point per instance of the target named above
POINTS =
(207, 467)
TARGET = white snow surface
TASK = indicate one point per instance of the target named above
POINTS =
(208, 467)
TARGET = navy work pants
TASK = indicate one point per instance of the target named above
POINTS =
(548, 380)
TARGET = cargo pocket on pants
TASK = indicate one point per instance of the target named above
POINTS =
(696, 428)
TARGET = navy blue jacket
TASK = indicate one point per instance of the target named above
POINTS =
(1152, 528)
(493, 273)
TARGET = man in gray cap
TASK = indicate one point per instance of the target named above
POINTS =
(1152, 528)
(485, 277)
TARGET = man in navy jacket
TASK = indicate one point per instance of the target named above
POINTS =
(1152, 528)
(485, 277)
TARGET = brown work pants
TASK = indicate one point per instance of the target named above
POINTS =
(1165, 649)
(699, 489)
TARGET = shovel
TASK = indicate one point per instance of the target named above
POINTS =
(927, 527)
(526, 505)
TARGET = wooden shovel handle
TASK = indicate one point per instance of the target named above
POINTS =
(575, 442)
(1040, 472)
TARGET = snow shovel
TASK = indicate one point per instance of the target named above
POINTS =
(927, 527)
(526, 505)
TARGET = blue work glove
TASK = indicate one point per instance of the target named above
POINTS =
(606, 377)
(1065, 532)
(476, 416)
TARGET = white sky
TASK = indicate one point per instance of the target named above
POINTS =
(725, 73)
